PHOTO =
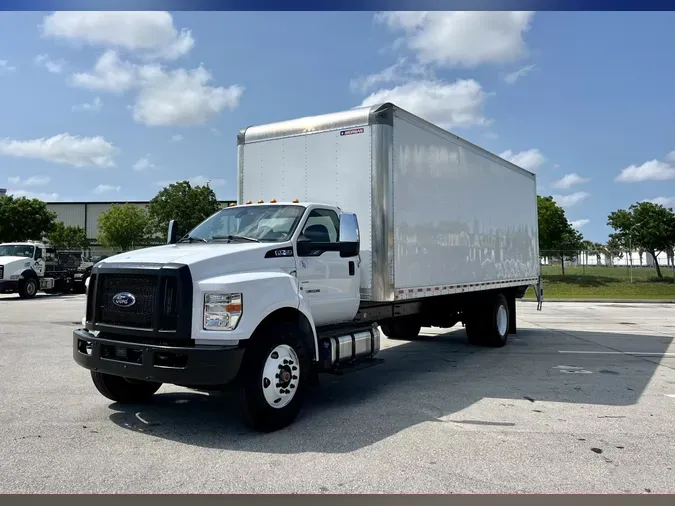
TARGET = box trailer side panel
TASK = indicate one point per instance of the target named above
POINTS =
(463, 220)
(324, 159)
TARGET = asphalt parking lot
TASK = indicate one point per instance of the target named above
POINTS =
(581, 400)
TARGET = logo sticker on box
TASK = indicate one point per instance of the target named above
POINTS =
(351, 131)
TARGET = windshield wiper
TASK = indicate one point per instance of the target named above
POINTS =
(234, 238)
(191, 239)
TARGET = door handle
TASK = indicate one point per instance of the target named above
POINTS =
(351, 267)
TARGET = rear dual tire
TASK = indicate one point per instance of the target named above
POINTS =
(487, 323)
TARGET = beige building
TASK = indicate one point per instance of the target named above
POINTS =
(87, 214)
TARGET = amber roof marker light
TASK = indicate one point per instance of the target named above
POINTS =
(273, 201)
(296, 201)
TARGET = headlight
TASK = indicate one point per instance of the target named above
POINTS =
(222, 311)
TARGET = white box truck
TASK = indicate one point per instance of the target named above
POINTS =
(346, 224)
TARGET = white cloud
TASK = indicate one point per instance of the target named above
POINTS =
(570, 200)
(200, 180)
(177, 138)
(449, 105)
(664, 201)
(47, 197)
(53, 66)
(653, 170)
(671, 156)
(110, 74)
(63, 148)
(5, 67)
(569, 180)
(152, 34)
(31, 181)
(528, 160)
(462, 38)
(181, 97)
(177, 97)
(143, 163)
(514, 76)
(106, 188)
(396, 73)
(577, 224)
(94, 106)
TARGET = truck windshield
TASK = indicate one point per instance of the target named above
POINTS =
(17, 250)
(251, 223)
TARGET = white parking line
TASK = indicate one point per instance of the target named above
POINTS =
(635, 353)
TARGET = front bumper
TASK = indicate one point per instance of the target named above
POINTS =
(9, 285)
(184, 365)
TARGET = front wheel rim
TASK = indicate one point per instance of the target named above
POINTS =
(30, 287)
(281, 376)
(502, 320)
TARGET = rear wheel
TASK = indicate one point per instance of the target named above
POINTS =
(488, 323)
(273, 378)
(402, 328)
(123, 390)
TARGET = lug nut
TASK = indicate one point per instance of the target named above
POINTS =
(294, 377)
(294, 368)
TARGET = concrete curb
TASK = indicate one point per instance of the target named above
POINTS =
(607, 301)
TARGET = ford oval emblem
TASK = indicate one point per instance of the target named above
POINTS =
(124, 299)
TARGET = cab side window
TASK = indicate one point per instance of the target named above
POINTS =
(322, 226)
(38, 253)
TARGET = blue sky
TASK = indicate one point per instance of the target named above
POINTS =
(109, 106)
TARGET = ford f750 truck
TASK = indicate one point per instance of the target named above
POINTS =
(347, 225)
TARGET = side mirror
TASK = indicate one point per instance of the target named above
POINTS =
(349, 238)
(171, 233)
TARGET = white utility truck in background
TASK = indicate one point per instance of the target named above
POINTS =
(28, 267)
(346, 223)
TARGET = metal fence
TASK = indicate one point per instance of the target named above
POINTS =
(633, 266)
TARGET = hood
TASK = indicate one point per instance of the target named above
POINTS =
(204, 259)
(9, 260)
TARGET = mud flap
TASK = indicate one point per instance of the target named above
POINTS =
(539, 290)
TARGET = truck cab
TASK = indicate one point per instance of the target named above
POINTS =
(22, 264)
(242, 298)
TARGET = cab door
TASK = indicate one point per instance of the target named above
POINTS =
(328, 282)
(39, 262)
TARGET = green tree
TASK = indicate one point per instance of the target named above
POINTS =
(23, 219)
(556, 234)
(615, 247)
(645, 225)
(184, 203)
(68, 237)
(123, 226)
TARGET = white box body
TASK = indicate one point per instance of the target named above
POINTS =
(437, 214)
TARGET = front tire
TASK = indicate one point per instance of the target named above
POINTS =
(123, 390)
(28, 289)
(273, 379)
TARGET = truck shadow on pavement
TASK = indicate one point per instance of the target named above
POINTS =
(429, 380)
